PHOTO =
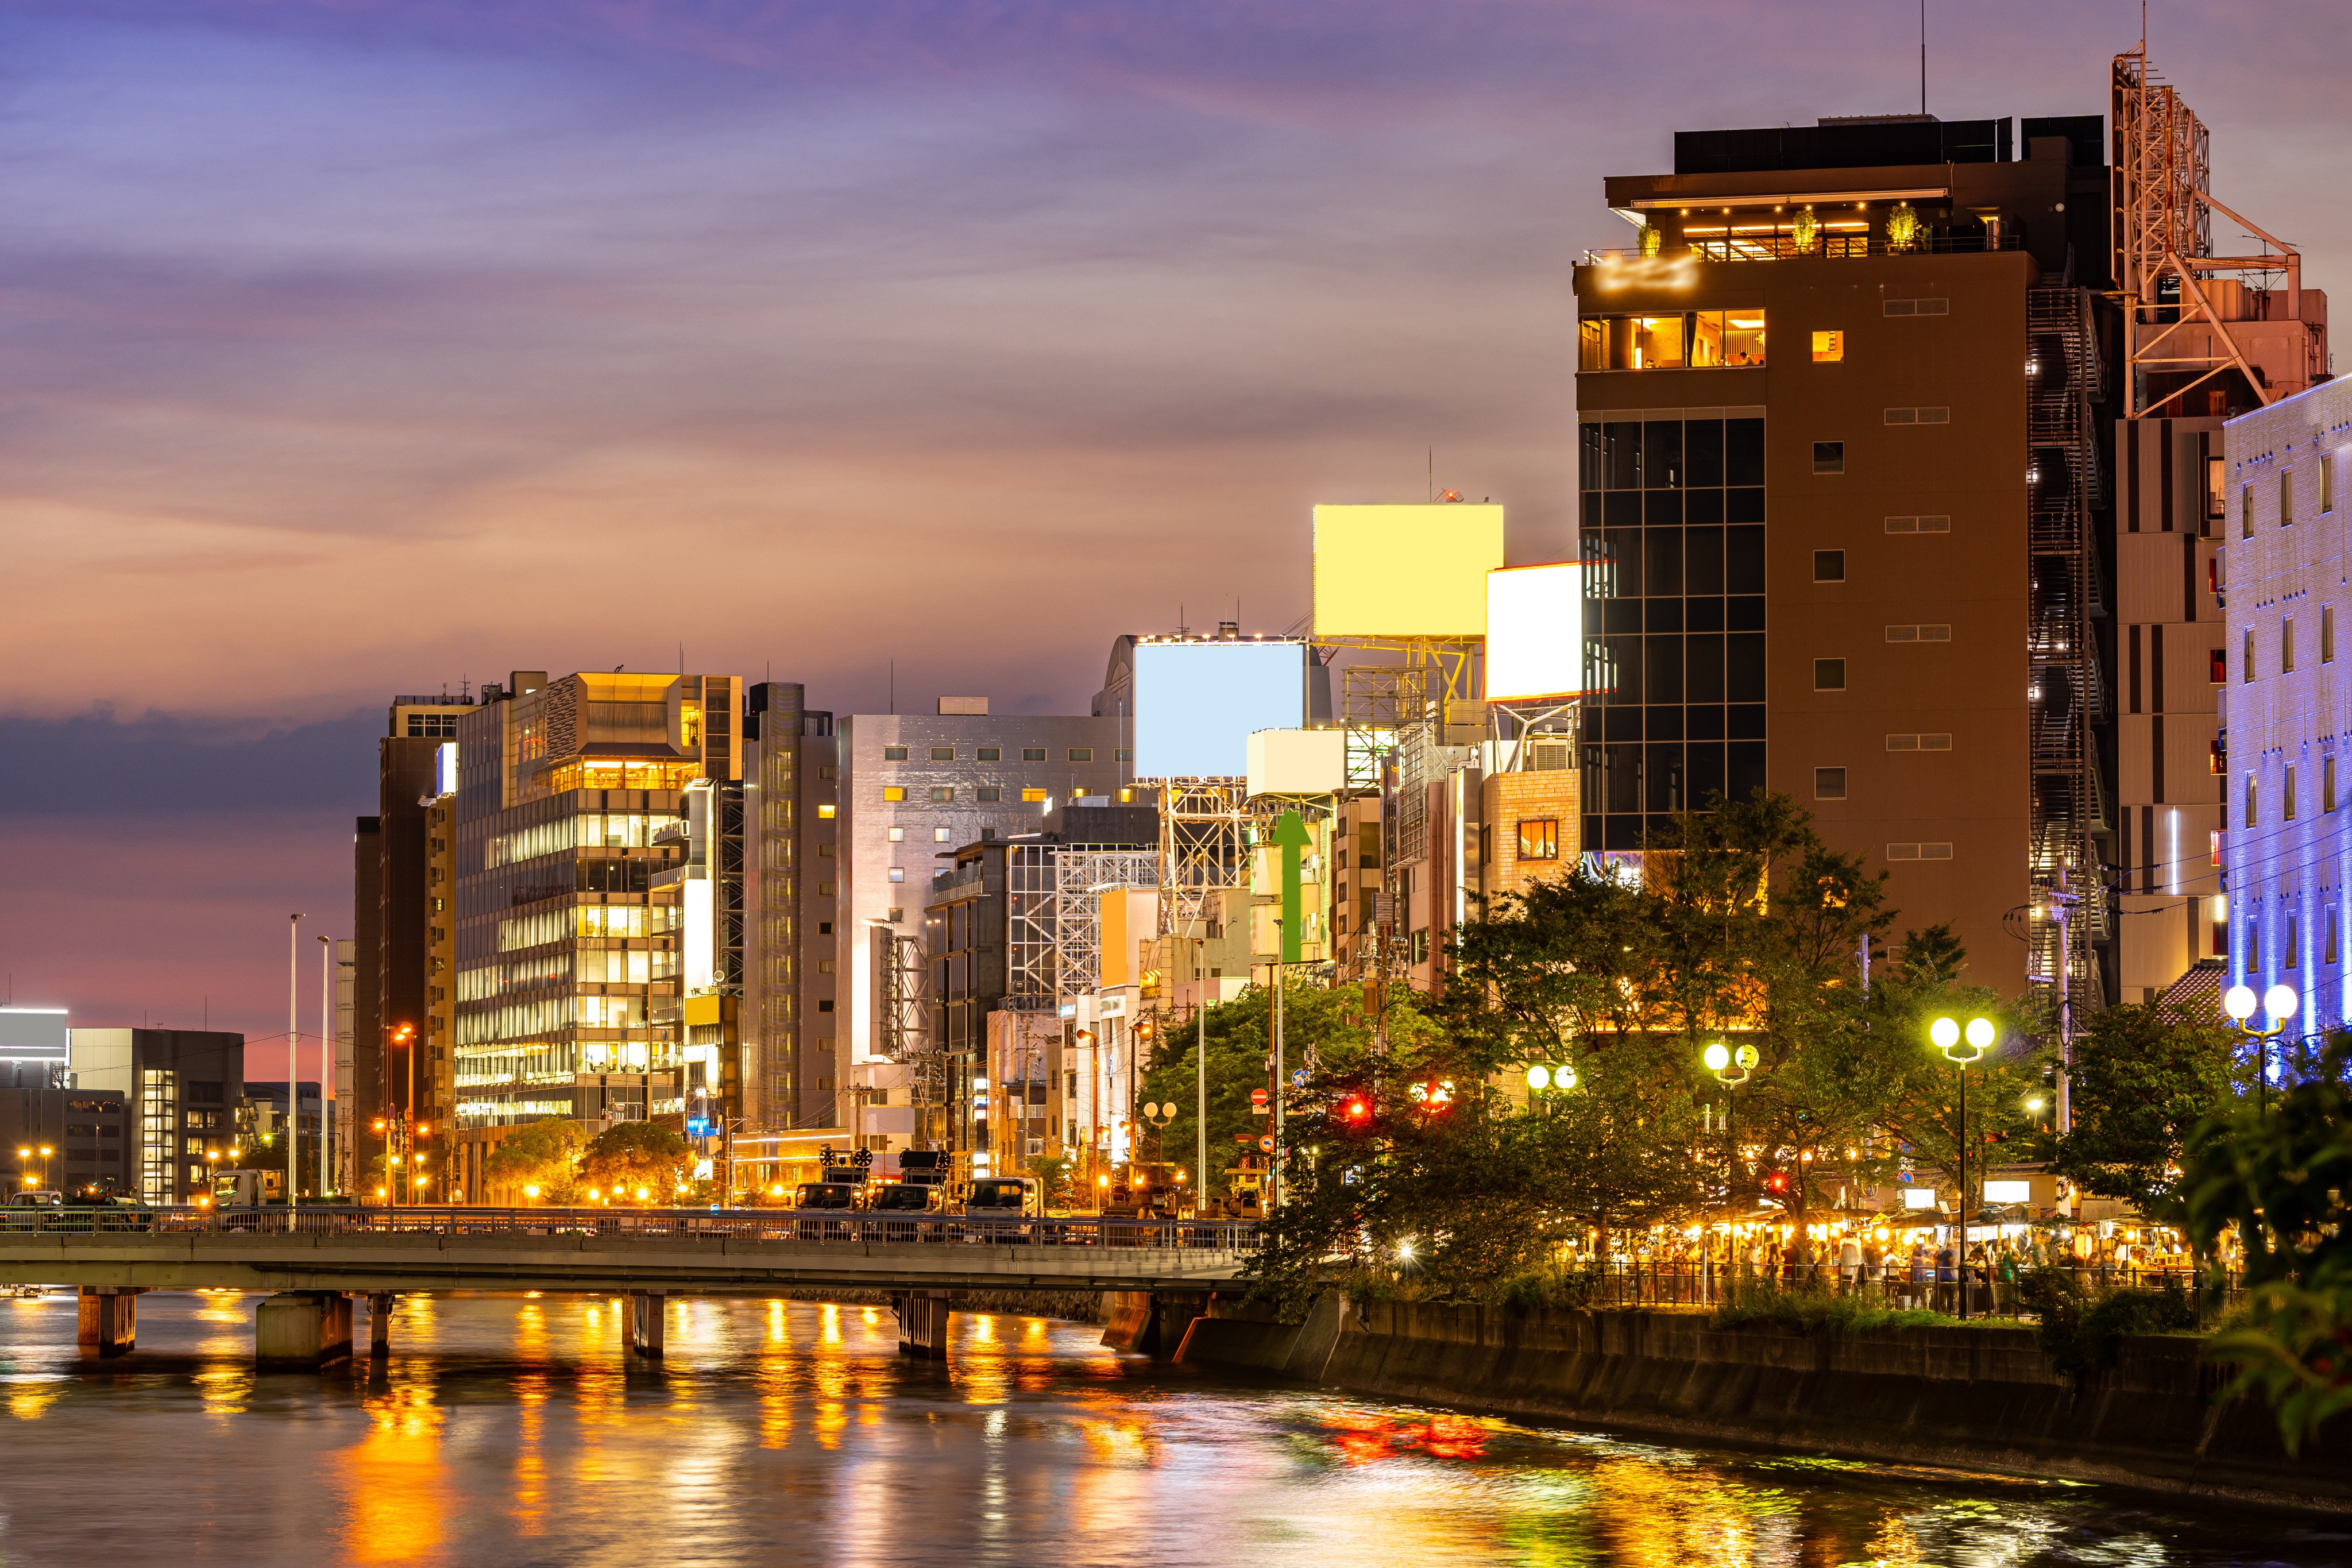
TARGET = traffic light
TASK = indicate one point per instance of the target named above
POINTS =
(1356, 1112)
(1777, 1183)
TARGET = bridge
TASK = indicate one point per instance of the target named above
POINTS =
(317, 1259)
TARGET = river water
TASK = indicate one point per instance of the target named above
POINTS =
(515, 1430)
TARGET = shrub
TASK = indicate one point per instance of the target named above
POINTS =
(2082, 1331)
(1760, 1304)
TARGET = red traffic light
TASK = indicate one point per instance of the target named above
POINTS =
(1778, 1182)
(1355, 1109)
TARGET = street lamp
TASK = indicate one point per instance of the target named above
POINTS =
(2280, 1003)
(1946, 1034)
(1730, 1068)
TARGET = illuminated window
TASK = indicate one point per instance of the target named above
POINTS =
(894, 753)
(2251, 801)
(943, 753)
(1539, 838)
(992, 754)
(824, 813)
(893, 792)
(1829, 347)
(1082, 754)
(1033, 795)
(1828, 456)
(1828, 783)
(898, 873)
(1829, 675)
(939, 835)
(896, 835)
(2286, 796)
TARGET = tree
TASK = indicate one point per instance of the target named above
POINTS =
(2281, 1181)
(2144, 1077)
(632, 1155)
(544, 1153)
(1916, 1087)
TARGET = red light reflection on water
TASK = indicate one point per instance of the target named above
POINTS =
(1362, 1436)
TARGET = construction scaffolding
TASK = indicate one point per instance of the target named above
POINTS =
(2187, 325)
(2068, 807)
(904, 992)
(1081, 876)
(1033, 899)
(1205, 838)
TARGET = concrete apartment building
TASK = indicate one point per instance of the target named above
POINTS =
(915, 788)
(2286, 706)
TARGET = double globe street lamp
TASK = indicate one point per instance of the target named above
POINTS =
(1730, 1068)
(2280, 1003)
(1948, 1035)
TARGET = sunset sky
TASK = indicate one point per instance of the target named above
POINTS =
(349, 347)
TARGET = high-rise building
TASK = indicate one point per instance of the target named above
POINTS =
(790, 887)
(914, 788)
(2289, 788)
(571, 930)
(1850, 537)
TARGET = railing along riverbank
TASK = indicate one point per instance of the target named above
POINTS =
(1634, 1282)
(855, 1225)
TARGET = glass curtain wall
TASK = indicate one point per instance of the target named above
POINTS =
(1673, 502)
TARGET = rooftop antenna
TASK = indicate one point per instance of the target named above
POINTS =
(1432, 451)
(1922, 56)
(894, 686)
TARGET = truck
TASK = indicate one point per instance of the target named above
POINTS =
(1144, 1190)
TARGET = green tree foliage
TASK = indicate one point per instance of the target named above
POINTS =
(544, 1153)
(2144, 1075)
(1914, 1090)
(633, 1154)
(2280, 1179)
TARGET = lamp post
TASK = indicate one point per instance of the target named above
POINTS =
(1946, 1034)
(1730, 1068)
(2280, 1002)
(293, 1059)
(326, 1051)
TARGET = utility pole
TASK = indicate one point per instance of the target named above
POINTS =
(293, 1043)
(1200, 1059)
(1281, 1074)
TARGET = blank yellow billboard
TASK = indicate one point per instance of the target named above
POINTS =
(1535, 632)
(1416, 571)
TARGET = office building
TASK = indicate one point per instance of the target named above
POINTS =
(2285, 706)
(181, 1088)
(791, 885)
(913, 789)
(571, 933)
(61, 1137)
(344, 1172)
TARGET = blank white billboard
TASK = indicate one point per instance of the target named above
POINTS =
(32, 1035)
(1197, 704)
(1535, 632)
(1298, 762)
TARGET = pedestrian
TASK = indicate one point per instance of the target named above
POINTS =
(1918, 1296)
(1947, 1276)
(1849, 1263)
(1874, 1269)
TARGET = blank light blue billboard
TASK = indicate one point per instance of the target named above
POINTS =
(1196, 704)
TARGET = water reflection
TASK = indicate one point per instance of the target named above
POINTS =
(517, 1429)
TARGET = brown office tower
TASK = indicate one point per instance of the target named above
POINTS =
(1839, 448)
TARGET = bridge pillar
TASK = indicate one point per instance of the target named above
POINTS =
(303, 1328)
(922, 1324)
(109, 1320)
(1149, 1322)
(646, 1322)
(379, 1323)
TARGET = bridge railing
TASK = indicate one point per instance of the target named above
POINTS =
(694, 1225)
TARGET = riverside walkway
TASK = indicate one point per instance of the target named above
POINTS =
(323, 1256)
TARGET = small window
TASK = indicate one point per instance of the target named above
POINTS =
(825, 851)
(894, 917)
(988, 794)
(825, 889)
(939, 835)
(824, 813)
(2294, 940)
(895, 835)
(894, 753)
(1919, 524)
(1033, 795)
(943, 753)
(2331, 935)
(2218, 666)
(1539, 838)
(2327, 481)
(992, 754)
(898, 873)
(824, 928)
(941, 793)
(1829, 675)
(1123, 754)
(1082, 754)
(1829, 347)
(2253, 800)
(1918, 851)
(2246, 513)
(1828, 783)
(2326, 785)
(1828, 456)
(825, 771)
(2286, 796)
(2286, 499)
(2327, 634)
(2246, 661)
(1829, 565)
(2287, 645)
(893, 792)
(2254, 944)
(1032, 753)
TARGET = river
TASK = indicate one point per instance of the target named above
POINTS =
(515, 1430)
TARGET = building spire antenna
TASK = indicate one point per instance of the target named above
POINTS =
(1923, 54)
